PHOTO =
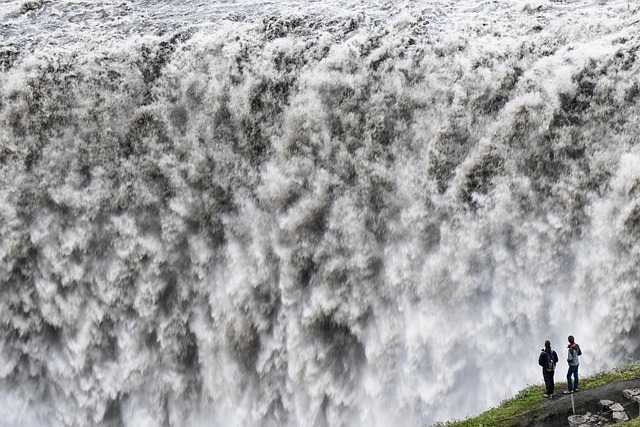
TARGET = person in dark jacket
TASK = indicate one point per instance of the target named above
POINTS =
(574, 361)
(548, 360)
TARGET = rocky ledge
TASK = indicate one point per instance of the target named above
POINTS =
(611, 412)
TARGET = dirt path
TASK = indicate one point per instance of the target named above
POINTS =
(554, 412)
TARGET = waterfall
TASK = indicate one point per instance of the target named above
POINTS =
(333, 213)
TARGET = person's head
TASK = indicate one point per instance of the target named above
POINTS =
(571, 339)
(547, 344)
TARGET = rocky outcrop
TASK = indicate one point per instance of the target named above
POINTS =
(612, 412)
(632, 394)
(587, 420)
(618, 414)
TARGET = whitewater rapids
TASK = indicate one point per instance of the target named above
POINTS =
(311, 213)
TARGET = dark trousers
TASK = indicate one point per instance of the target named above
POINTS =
(573, 372)
(548, 380)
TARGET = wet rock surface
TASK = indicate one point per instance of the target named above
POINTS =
(607, 405)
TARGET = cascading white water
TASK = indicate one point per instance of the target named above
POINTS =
(320, 214)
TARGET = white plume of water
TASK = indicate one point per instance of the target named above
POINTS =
(321, 213)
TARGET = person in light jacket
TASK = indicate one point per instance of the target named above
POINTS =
(574, 361)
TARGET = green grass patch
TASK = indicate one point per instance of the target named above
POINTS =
(511, 412)
(525, 405)
(627, 371)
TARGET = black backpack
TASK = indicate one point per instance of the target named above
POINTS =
(551, 363)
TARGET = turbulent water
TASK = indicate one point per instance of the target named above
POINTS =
(311, 213)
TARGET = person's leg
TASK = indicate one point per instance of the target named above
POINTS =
(552, 382)
(569, 379)
(547, 382)
(572, 378)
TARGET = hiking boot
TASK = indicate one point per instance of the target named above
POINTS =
(568, 392)
(548, 396)
(576, 390)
